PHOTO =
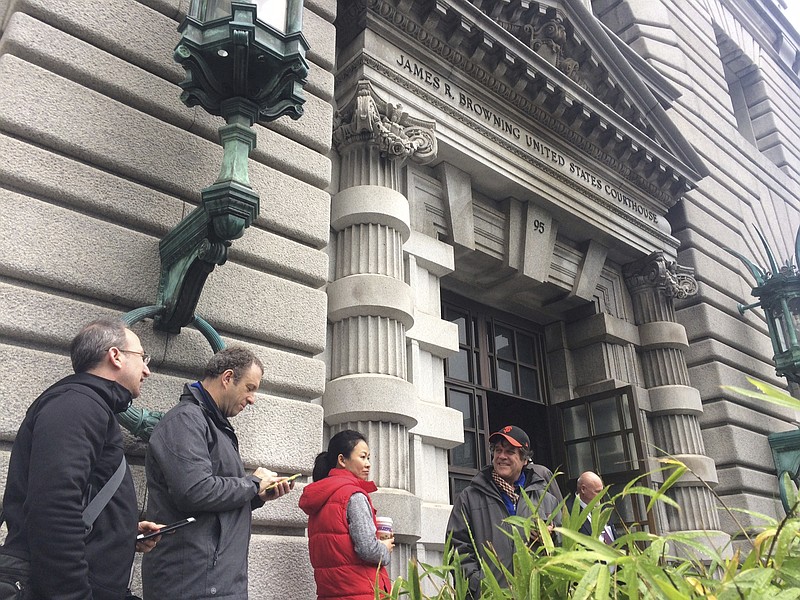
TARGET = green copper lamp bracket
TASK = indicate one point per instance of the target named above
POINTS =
(201, 240)
(141, 421)
(786, 454)
(246, 70)
(778, 292)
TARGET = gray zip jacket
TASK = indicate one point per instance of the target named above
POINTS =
(481, 507)
(194, 470)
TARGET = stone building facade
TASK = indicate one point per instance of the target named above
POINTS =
(491, 212)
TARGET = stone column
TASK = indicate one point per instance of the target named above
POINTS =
(370, 303)
(654, 283)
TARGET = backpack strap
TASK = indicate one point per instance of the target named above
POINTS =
(99, 502)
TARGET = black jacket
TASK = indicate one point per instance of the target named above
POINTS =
(68, 446)
(481, 506)
(586, 526)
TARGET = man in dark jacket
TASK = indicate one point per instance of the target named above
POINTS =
(194, 470)
(589, 485)
(67, 448)
(493, 495)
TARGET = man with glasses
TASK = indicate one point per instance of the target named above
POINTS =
(68, 446)
(493, 495)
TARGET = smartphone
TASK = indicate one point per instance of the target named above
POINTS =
(290, 478)
(165, 529)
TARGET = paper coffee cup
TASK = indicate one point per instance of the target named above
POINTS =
(385, 527)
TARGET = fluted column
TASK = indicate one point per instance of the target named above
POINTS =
(370, 303)
(654, 283)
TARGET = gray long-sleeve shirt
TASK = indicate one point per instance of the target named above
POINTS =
(363, 532)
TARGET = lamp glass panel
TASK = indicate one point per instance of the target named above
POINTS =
(794, 309)
(780, 329)
(273, 13)
(209, 10)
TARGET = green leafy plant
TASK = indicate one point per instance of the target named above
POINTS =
(675, 566)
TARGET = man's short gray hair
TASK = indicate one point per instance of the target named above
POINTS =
(93, 341)
(236, 358)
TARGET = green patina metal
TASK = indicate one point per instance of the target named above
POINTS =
(778, 291)
(245, 71)
(141, 421)
(786, 454)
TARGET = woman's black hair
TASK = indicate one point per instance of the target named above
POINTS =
(342, 443)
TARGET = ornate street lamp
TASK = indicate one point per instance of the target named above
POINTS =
(778, 291)
(245, 61)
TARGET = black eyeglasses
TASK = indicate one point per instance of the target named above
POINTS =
(145, 356)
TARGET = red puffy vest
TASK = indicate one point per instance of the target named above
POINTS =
(338, 570)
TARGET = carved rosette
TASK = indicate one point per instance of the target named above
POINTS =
(654, 271)
(367, 119)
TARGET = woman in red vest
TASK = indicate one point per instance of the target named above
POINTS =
(347, 556)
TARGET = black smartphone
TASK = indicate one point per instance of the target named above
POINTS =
(165, 529)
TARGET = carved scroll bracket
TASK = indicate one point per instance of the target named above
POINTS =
(654, 271)
(369, 120)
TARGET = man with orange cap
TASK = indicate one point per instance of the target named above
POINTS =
(493, 495)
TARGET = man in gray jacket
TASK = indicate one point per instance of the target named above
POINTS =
(493, 495)
(194, 470)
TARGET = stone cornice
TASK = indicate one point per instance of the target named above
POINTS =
(364, 60)
(548, 95)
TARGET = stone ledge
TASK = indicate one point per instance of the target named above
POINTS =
(434, 519)
(662, 334)
(704, 470)
(371, 204)
(278, 563)
(601, 327)
(404, 508)
(432, 255)
(439, 426)
(675, 399)
(370, 295)
(115, 77)
(370, 398)
(435, 335)
(106, 133)
(50, 321)
(282, 512)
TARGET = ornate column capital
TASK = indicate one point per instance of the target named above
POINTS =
(655, 272)
(368, 120)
